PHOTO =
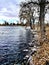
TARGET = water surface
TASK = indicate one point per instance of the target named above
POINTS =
(13, 40)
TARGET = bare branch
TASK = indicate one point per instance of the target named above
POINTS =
(30, 3)
(47, 2)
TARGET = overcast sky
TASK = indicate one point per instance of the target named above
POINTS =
(9, 10)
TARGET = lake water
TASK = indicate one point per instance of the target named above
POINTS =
(13, 40)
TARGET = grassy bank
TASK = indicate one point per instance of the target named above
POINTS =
(41, 57)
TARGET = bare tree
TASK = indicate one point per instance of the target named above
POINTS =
(26, 12)
(41, 4)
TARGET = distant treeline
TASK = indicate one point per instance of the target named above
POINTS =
(7, 24)
(19, 24)
(12, 24)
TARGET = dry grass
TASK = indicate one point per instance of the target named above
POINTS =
(47, 32)
(42, 54)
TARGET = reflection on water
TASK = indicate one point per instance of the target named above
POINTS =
(13, 40)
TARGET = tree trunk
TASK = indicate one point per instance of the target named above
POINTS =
(33, 23)
(30, 23)
(41, 18)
